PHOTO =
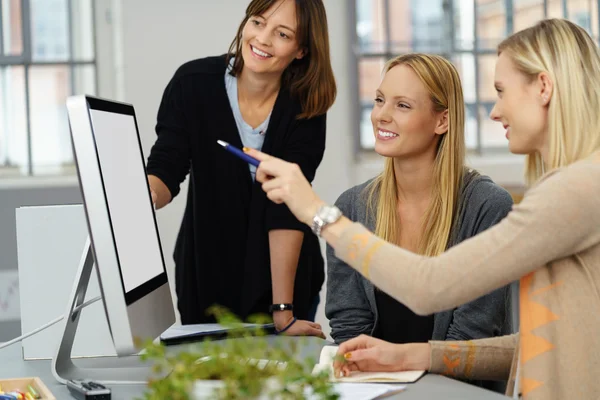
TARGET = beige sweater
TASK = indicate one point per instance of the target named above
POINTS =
(551, 242)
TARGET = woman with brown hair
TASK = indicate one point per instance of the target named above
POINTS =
(271, 91)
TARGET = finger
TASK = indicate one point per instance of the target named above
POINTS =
(310, 331)
(261, 175)
(271, 184)
(259, 155)
(276, 196)
(362, 355)
(315, 325)
(276, 167)
(359, 342)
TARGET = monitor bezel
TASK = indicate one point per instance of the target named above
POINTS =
(151, 285)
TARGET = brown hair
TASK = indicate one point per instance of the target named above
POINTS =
(309, 79)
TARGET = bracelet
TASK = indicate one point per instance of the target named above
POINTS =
(280, 307)
(287, 327)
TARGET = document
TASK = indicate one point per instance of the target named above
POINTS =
(326, 364)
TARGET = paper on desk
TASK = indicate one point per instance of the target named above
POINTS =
(363, 391)
(195, 329)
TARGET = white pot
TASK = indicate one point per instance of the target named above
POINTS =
(205, 389)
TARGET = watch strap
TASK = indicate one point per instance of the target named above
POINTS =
(281, 307)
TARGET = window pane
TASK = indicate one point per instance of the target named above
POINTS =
(370, 73)
(580, 12)
(465, 64)
(83, 35)
(12, 32)
(370, 26)
(404, 30)
(13, 126)
(491, 23)
(555, 9)
(464, 20)
(367, 139)
(84, 79)
(487, 65)
(418, 25)
(49, 30)
(594, 20)
(527, 13)
(50, 139)
(493, 133)
(470, 126)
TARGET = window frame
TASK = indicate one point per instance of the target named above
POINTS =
(25, 60)
(449, 50)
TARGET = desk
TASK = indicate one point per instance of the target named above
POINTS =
(428, 387)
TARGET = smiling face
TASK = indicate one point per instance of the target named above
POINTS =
(403, 117)
(269, 42)
(522, 107)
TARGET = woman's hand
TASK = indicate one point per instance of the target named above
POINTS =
(298, 328)
(284, 183)
(368, 354)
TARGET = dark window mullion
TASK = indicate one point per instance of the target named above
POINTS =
(28, 122)
(509, 10)
(70, 46)
(27, 60)
(476, 59)
(1, 31)
(94, 44)
(387, 27)
(354, 73)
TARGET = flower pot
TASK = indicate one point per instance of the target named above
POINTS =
(205, 389)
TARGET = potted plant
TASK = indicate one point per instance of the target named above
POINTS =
(236, 368)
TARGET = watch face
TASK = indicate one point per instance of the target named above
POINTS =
(331, 214)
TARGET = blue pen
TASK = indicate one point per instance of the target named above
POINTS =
(239, 153)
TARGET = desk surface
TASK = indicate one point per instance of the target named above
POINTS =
(430, 386)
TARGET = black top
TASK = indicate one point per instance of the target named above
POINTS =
(222, 250)
(397, 324)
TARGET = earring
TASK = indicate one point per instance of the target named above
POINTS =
(545, 98)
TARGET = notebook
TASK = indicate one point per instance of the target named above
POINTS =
(326, 364)
(178, 334)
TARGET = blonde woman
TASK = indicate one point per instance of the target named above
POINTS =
(548, 83)
(425, 200)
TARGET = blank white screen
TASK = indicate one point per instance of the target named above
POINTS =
(129, 202)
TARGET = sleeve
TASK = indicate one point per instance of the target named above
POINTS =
(305, 148)
(482, 359)
(485, 316)
(347, 306)
(169, 157)
(558, 218)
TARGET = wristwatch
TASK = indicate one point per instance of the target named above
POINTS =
(325, 215)
(280, 307)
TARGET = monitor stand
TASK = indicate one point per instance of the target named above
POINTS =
(110, 370)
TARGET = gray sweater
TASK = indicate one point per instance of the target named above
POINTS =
(351, 307)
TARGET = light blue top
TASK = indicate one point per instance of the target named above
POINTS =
(251, 137)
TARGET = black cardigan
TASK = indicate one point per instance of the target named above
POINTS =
(222, 250)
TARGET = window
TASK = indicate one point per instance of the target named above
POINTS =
(464, 31)
(47, 53)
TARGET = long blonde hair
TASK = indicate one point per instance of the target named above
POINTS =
(443, 83)
(570, 57)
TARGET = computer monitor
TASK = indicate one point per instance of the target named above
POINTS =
(124, 241)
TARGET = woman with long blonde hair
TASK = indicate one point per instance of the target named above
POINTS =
(425, 200)
(548, 83)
